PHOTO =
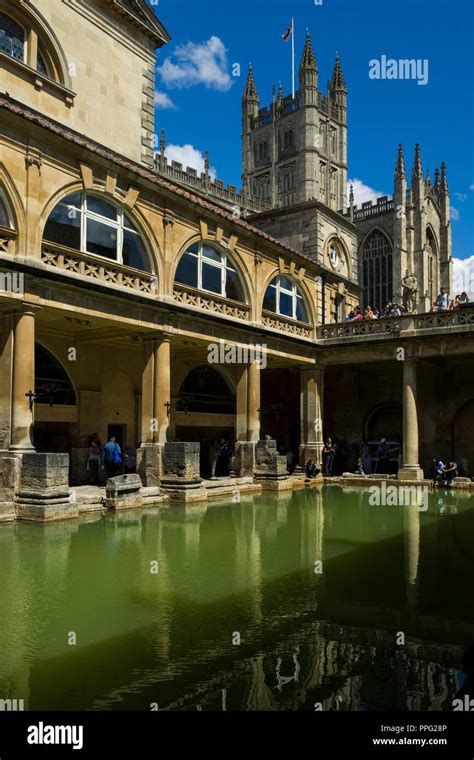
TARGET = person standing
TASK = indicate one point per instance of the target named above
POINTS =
(112, 457)
(366, 458)
(95, 460)
(442, 302)
(328, 458)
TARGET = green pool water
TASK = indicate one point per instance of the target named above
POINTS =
(335, 602)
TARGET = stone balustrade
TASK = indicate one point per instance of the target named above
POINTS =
(106, 272)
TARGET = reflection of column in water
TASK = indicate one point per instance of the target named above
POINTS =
(259, 696)
(282, 680)
(411, 527)
(248, 570)
(161, 585)
(224, 699)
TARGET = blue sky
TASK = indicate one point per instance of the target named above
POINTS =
(199, 99)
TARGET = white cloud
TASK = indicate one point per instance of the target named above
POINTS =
(162, 100)
(363, 193)
(198, 63)
(188, 155)
(461, 196)
(463, 276)
(455, 215)
(471, 187)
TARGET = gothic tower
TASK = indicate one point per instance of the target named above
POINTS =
(295, 150)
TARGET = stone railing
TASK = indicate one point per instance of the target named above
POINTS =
(409, 323)
(103, 271)
(286, 325)
(210, 302)
(381, 207)
(364, 327)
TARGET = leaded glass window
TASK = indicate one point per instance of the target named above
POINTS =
(12, 38)
(377, 270)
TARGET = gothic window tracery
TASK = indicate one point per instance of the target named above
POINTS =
(377, 270)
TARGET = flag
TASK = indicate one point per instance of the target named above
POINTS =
(287, 34)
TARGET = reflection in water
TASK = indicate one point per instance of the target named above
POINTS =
(316, 586)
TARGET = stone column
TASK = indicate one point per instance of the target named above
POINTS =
(162, 389)
(253, 402)
(23, 380)
(155, 416)
(411, 470)
(311, 415)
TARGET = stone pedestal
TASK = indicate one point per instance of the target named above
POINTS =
(181, 480)
(44, 488)
(10, 470)
(243, 463)
(123, 492)
(269, 465)
(149, 464)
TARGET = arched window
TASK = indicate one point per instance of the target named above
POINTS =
(284, 297)
(6, 219)
(52, 384)
(12, 38)
(94, 225)
(377, 270)
(206, 267)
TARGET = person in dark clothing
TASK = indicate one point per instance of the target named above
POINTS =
(437, 474)
(328, 458)
(112, 458)
(311, 470)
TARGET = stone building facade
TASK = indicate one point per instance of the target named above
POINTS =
(294, 158)
(117, 282)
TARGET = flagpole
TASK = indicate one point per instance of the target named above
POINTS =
(293, 56)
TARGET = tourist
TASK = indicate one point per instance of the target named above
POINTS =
(387, 309)
(454, 304)
(464, 299)
(130, 458)
(434, 306)
(442, 302)
(366, 458)
(350, 316)
(359, 470)
(311, 470)
(213, 457)
(395, 310)
(368, 313)
(95, 459)
(112, 457)
(358, 314)
(328, 458)
(437, 474)
(450, 471)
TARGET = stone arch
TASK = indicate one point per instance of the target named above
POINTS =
(462, 442)
(146, 233)
(15, 207)
(30, 19)
(308, 300)
(52, 377)
(377, 267)
(384, 420)
(211, 389)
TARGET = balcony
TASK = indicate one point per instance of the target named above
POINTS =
(435, 323)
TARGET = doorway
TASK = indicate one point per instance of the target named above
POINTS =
(119, 432)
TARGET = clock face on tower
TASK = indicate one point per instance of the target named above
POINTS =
(335, 256)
